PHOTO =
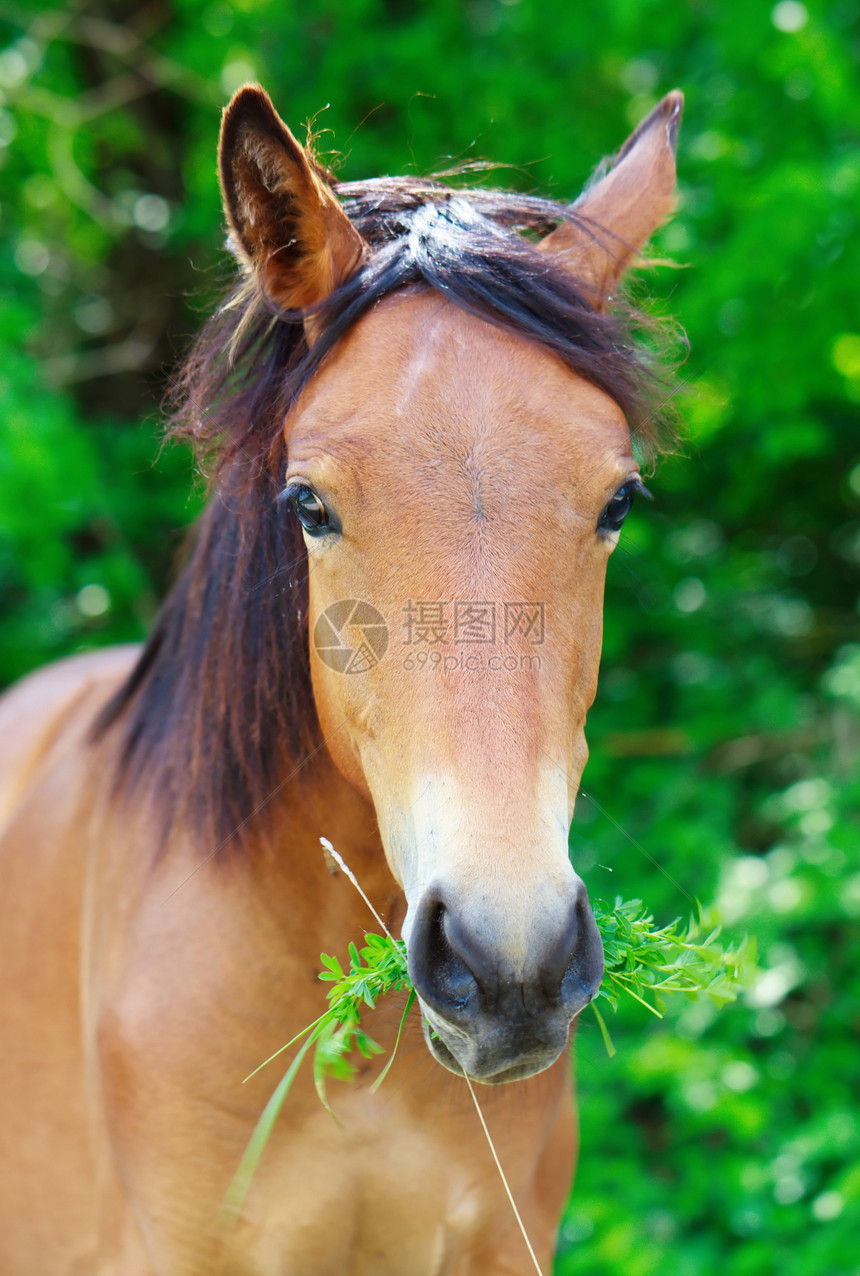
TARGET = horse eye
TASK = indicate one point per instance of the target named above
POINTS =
(619, 507)
(311, 512)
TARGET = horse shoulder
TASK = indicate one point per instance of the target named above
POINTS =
(46, 710)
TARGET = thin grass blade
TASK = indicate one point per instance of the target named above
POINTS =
(384, 1073)
(232, 1204)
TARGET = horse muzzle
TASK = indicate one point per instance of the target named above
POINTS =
(494, 1018)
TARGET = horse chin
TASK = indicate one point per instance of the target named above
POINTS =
(484, 1066)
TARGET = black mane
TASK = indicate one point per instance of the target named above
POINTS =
(219, 709)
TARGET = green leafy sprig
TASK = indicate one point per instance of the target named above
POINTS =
(648, 962)
(642, 961)
(379, 967)
(374, 970)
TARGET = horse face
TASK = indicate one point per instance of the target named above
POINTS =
(461, 490)
(463, 483)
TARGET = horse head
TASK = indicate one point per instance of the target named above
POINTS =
(461, 483)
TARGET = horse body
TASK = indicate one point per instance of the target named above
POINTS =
(137, 1009)
(157, 947)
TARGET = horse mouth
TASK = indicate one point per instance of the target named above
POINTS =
(485, 1064)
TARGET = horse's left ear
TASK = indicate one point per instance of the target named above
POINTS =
(286, 223)
(616, 216)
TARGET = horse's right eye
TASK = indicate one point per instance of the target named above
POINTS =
(310, 511)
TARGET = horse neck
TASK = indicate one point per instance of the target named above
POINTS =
(325, 805)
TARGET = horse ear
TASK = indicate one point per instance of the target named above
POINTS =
(616, 216)
(286, 223)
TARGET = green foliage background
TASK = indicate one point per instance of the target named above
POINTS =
(726, 735)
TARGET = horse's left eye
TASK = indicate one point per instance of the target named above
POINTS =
(310, 511)
(619, 507)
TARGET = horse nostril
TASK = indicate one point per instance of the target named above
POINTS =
(439, 974)
(556, 963)
(583, 968)
(572, 966)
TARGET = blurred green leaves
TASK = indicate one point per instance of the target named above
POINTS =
(726, 735)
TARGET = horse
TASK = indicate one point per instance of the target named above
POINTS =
(418, 409)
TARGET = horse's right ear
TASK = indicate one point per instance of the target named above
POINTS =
(286, 224)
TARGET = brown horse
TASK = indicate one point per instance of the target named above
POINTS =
(386, 632)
